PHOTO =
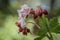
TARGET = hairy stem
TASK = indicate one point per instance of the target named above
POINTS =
(34, 24)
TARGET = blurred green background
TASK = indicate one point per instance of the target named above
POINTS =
(8, 17)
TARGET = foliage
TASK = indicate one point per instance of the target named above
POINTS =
(48, 26)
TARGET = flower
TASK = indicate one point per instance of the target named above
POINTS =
(28, 30)
(44, 12)
(38, 13)
(32, 11)
(25, 31)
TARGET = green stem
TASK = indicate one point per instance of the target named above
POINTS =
(50, 37)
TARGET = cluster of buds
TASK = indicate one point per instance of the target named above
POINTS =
(24, 30)
(24, 12)
(38, 13)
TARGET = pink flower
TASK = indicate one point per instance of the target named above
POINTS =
(38, 13)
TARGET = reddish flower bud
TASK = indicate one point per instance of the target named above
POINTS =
(32, 11)
(44, 12)
(18, 24)
(38, 13)
(28, 30)
(35, 16)
(24, 31)
(20, 29)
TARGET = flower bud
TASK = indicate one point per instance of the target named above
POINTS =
(32, 11)
(45, 12)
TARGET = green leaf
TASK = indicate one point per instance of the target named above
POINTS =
(54, 25)
(55, 37)
(57, 29)
(43, 21)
